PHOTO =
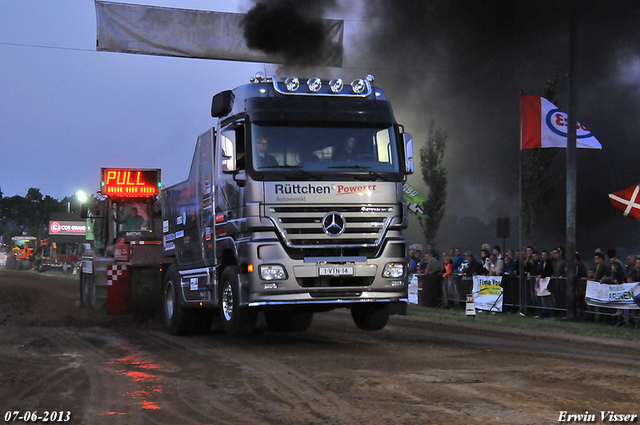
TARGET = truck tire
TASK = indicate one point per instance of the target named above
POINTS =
(84, 289)
(177, 320)
(288, 321)
(236, 320)
(371, 316)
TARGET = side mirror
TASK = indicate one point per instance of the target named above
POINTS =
(222, 104)
(408, 149)
(228, 151)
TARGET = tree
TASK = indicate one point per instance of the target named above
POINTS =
(538, 184)
(435, 177)
(28, 214)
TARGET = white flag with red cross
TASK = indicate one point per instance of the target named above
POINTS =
(627, 201)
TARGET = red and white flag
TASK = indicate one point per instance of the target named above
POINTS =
(627, 201)
(545, 126)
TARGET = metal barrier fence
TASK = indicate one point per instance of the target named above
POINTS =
(435, 291)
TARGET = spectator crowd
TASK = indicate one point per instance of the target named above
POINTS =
(531, 262)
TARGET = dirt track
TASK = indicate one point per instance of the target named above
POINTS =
(55, 356)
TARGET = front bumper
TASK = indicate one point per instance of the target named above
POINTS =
(304, 283)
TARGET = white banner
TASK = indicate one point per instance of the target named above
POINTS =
(613, 296)
(413, 290)
(152, 30)
(541, 286)
(487, 292)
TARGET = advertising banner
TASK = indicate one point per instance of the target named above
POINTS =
(414, 200)
(153, 30)
(63, 228)
(334, 192)
(613, 296)
(413, 290)
(487, 293)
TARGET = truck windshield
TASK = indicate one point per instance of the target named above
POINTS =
(324, 152)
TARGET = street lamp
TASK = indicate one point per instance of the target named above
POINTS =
(82, 197)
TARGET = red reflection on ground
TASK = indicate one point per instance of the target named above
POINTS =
(149, 385)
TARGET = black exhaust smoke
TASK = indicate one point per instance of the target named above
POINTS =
(279, 28)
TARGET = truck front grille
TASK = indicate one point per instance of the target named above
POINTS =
(306, 227)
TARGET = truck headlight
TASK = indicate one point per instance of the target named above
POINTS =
(393, 270)
(272, 272)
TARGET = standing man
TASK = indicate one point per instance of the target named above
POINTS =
(474, 267)
(497, 265)
(631, 263)
(559, 263)
(459, 259)
(412, 261)
(547, 265)
(634, 275)
(602, 268)
(433, 252)
(430, 265)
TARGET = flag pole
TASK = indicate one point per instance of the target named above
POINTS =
(570, 297)
(523, 297)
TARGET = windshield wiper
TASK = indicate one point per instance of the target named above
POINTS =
(362, 167)
(294, 167)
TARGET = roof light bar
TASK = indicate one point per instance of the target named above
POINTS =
(314, 84)
(361, 87)
(292, 83)
(336, 85)
(358, 86)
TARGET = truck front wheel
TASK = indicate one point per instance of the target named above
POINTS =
(235, 319)
(371, 316)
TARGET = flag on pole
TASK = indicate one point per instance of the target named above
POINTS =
(545, 126)
(627, 201)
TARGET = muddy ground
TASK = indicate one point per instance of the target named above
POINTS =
(57, 357)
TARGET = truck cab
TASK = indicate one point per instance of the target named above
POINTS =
(293, 205)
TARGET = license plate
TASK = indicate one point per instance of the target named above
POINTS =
(335, 271)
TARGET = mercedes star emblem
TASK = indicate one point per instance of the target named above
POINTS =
(333, 224)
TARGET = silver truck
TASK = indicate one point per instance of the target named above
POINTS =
(293, 205)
